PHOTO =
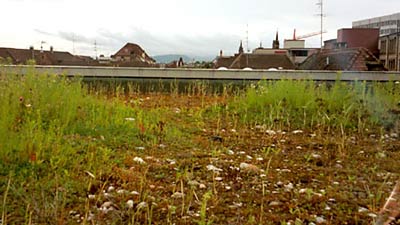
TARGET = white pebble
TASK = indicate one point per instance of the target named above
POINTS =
(130, 203)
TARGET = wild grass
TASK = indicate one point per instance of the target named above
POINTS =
(291, 104)
(52, 131)
(60, 137)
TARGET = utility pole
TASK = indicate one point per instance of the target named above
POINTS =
(95, 48)
(247, 38)
(41, 46)
(397, 46)
(73, 43)
(322, 15)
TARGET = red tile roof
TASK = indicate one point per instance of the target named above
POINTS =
(21, 56)
(255, 61)
(351, 59)
(135, 51)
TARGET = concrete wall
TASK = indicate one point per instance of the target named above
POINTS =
(199, 74)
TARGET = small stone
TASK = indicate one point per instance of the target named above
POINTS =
(130, 203)
(249, 157)
(246, 167)
(121, 191)
(316, 156)
(106, 204)
(193, 183)
(373, 215)
(303, 190)
(139, 160)
(270, 132)
(171, 161)
(140, 148)
(299, 147)
(297, 132)
(111, 189)
(134, 193)
(230, 152)
(228, 188)
(320, 220)
(288, 187)
(218, 178)
(213, 168)
(275, 203)
(91, 196)
(141, 205)
(362, 210)
(202, 186)
(177, 195)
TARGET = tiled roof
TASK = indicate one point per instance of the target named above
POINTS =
(21, 56)
(351, 59)
(131, 49)
(224, 61)
(255, 61)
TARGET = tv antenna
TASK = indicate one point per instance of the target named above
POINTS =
(247, 38)
(321, 15)
(73, 43)
(41, 45)
(95, 48)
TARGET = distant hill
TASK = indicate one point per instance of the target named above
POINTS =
(170, 58)
(175, 57)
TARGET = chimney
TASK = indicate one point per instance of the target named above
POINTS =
(51, 49)
(32, 51)
(220, 53)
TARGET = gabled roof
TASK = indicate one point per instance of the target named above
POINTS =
(21, 56)
(224, 61)
(255, 61)
(351, 59)
(130, 49)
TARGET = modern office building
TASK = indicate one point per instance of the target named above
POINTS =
(388, 24)
(389, 45)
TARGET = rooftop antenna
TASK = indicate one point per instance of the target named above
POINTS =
(73, 43)
(321, 15)
(41, 46)
(95, 48)
(247, 38)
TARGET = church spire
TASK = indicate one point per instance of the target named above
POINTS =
(241, 48)
(275, 43)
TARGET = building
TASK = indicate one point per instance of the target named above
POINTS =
(260, 59)
(41, 57)
(132, 55)
(345, 59)
(388, 24)
(359, 37)
(355, 38)
(354, 49)
(294, 48)
(389, 51)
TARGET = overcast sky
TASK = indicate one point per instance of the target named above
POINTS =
(191, 27)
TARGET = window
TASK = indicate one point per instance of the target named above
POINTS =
(302, 53)
(383, 46)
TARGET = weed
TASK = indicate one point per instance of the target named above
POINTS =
(203, 210)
